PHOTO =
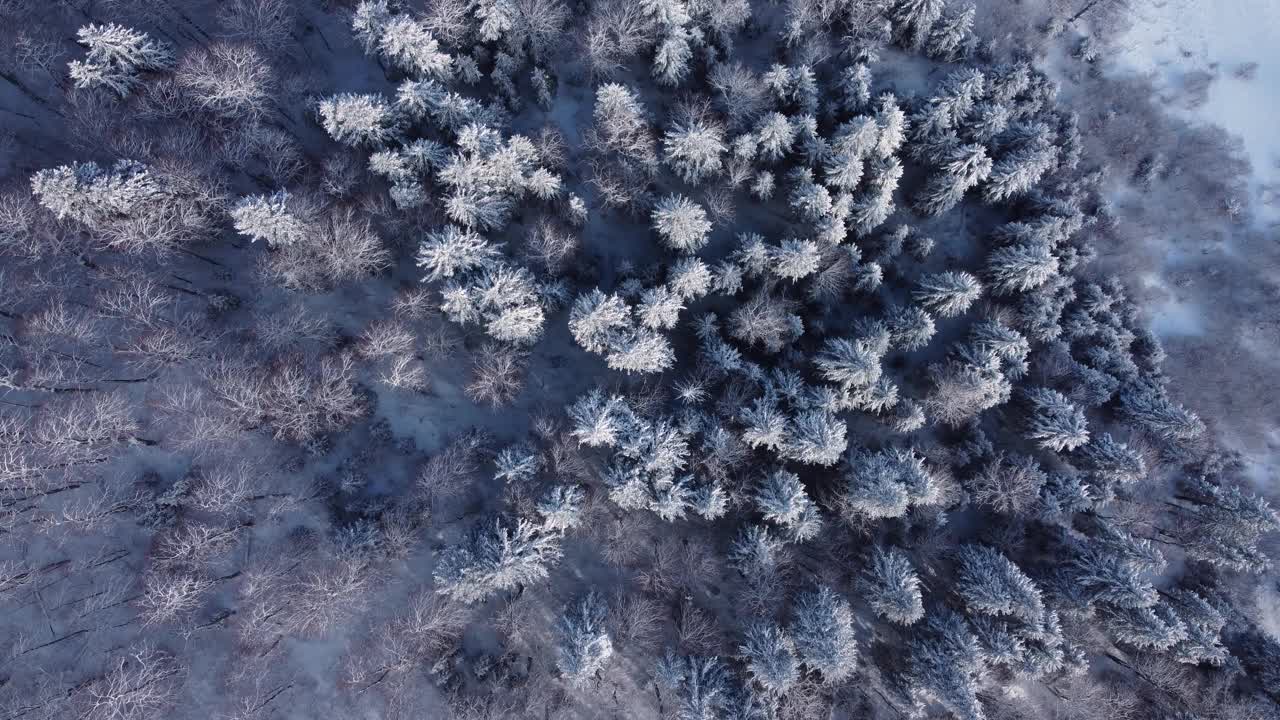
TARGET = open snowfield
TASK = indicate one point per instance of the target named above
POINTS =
(1176, 39)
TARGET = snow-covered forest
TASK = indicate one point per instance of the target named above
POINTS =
(585, 359)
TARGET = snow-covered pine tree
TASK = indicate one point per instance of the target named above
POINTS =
(782, 500)
(913, 19)
(408, 44)
(892, 587)
(452, 251)
(681, 223)
(1055, 423)
(822, 629)
(693, 148)
(583, 647)
(88, 194)
(952, 37)
(268, 218)
(946, 663)
(1019, 268)
(359, 120)
(990, 584)
(949, 293)
(116, 55)
(770, 657)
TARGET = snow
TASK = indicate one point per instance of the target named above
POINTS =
(1172, 38)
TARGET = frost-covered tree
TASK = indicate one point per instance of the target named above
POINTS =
(693, 148)
(1019, 170)
(1019, 268)
(599, 420)
(596, 319)
(1203, 623)
(775, 135)
(681, 223)
(1112, 460)
(963, 167)
(795, 259)
(952, 36)
(499, 557)
(88, 194)
(561, 507)
(621, 126)
(949, 293)
(115, 57)
(770, 657)
(1148, 406)
(946, 664)
(1055, 423)
(359, 120)
(822, 629)
(583, 647)
(910, 327)
(782, 500)
(659, 308)
(1156, 627)
(1229, 526)
(887, 483)
(815, 437)
(892, 587)
(454, 251)
(700, 685)
(913, 19)
(690, 278)
(268, 218)
(408, 44)
(851, 364)
(990, 584)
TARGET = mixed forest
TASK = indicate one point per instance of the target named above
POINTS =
(694, 359)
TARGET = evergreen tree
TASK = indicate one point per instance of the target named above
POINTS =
(770, 657)
(1019, 268)
(700, 685)
(795, 259)
(681, 223)
(754, 550)
(989, 583)
(913, 19)
(1147, 405)
(822, 629)
(502, 557)
(952, 36)
(892, 587)
(1055, 423)
(815, 437)
(359, 120)
(694, 149)
(268, 218)
(775, 136)
(946, 663)
(600, 420)
(851, 364)
(597, 319)
(86, 193)
(782, 500)
(584, 647)
(948, 294)
(116, 55)
(1204, 624)
(454, 251)
(1156, 627)
(409, 45)
(690, 278)
(885, 484)
(910, 327)
(643, 351)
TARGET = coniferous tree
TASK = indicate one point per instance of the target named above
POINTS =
(681, 223)
(694, 148)
(951, 38)
(502, 557)
(1055, 423)
(268, 218)
(782, 499)
(892, 587)
(770, 657)
(116, 56)
(822, 629)
(946, 663)
(584, 647)
(913, 19)
(949, 293)
(989, 583)
(359, 120)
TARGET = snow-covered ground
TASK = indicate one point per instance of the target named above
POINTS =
(1172, 39)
